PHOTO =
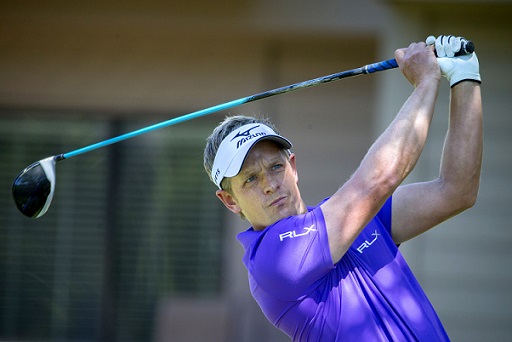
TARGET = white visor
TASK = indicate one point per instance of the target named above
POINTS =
(235, 147)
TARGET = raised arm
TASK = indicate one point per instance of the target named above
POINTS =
(391, 158)
(421, 206)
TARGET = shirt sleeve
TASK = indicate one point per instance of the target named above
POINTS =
(292, 256)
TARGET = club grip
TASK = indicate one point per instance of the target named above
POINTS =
(379, 66)
(467, 48)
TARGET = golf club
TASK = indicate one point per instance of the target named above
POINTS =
(34, 187)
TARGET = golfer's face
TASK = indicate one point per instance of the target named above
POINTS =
(266, 188)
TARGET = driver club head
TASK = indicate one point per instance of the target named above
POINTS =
(33, 188)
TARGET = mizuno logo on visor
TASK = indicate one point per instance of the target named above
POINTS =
(246, 136)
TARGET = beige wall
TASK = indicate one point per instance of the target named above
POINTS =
(176, 57)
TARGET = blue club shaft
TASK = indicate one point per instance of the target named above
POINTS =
(367, 69)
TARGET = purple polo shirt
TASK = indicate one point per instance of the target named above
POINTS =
(369, 295)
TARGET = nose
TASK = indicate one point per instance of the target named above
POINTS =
(270, 183)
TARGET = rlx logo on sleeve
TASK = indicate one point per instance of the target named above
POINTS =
(293, 234)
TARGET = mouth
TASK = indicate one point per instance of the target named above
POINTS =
(278, 201)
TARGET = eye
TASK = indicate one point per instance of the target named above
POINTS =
(250, 179)
(277, 166)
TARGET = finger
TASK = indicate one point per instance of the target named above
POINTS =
(439, 47)
(448, 46)
(399, 55)
(431, 40)
(456, 44)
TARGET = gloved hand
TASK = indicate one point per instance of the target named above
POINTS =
(446, 46)
(455, 69)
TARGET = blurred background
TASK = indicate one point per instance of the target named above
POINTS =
(135, 246)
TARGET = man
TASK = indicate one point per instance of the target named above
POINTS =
(334, 272)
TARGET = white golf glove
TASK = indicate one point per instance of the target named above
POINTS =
(455, 68)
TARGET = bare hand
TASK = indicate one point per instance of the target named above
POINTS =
(418, 63)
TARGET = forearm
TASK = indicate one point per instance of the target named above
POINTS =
(397, 150)
(462, 152)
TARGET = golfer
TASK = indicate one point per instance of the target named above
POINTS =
(333, 272)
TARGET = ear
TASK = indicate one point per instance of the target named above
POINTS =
(293, 163)
(228, 200)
